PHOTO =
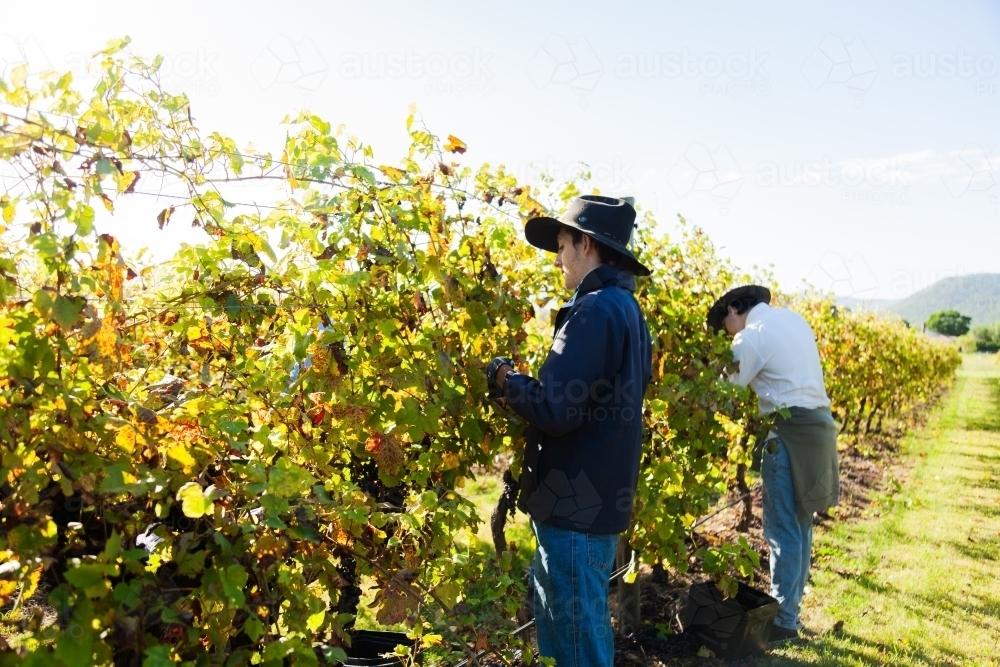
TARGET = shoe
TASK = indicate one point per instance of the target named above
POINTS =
(780, 634)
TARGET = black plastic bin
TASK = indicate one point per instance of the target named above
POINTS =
(732, 628)
(367, 647)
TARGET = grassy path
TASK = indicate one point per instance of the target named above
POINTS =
(919, 584)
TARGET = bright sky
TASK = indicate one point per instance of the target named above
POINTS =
(855, 144)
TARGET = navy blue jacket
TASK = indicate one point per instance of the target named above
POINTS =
(584, 412)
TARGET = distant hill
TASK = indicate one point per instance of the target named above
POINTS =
(869, 304)
(976, 295)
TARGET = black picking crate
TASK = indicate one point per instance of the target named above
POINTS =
(732, 628)
(367, 647)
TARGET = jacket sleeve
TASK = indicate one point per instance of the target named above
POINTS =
(586, 351)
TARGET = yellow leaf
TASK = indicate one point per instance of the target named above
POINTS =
(49, 529)
(8, 210)
(126, 181)
(126, 438)
(106, 338)
(19, 75)
(450, 460)
(396, 175)
(7, 590)
(194, 502)
(431, 640)
(315, 621)
(180, 453)
(455, 145)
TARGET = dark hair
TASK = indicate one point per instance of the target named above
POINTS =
(743, 305)
(606, 254)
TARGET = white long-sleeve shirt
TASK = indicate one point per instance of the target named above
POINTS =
(779, 360)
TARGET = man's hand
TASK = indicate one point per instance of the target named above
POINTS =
(496, 375)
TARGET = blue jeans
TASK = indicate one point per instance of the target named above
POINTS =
(788, 535)
(572, 619)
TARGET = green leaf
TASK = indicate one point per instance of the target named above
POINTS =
(75, 649)
(195, 503)
(83, 217)
(43, 301)
(288, 479)
(234, 578)
(448, 592)
(129, 594)
(105, 168)
(158, 656)
(334, 654)
(364, 174)
(89, 574)
(253, 628)
(90, 577)
(66, 311)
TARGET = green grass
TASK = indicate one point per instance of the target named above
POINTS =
(918, 583)
(485, 493)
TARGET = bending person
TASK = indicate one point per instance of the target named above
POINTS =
(778, 359)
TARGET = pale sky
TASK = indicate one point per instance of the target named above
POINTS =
(854, 144)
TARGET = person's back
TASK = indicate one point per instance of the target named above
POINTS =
(779, 360)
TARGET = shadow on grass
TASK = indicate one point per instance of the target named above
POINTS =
(984, 509)
(844, 648)
(871, 584)
(974, 602)
(991, 460)
(990, 420)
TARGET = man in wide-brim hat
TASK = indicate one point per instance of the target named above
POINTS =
(584, 414)
(779, 361)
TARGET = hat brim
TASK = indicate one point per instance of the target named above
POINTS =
(717, 312)
(543, 233)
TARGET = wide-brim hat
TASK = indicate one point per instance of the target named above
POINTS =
(607, 220)
(718, 311)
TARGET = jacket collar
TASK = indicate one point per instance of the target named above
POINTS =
(606, 275)
(603, 276)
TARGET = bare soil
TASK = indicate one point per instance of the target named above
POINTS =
(867, 471)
